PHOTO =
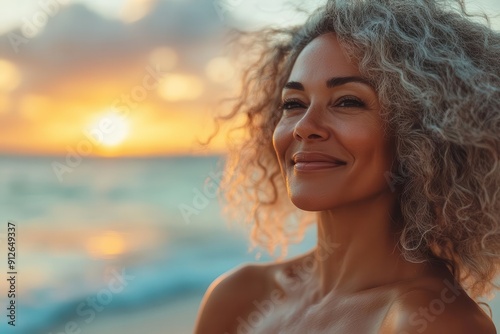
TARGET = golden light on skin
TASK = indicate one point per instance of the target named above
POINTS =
(10, 77)
(134, 10)
(108, 244)
(219, 70)
(110, 129)
(180, 87)
(164, 57)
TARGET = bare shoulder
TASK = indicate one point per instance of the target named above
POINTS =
(437, 308)
(231, 295)
(228, 297)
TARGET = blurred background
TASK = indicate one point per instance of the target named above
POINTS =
(101, 107)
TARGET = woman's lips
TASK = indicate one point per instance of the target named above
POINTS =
(316, 165)
(312, 161)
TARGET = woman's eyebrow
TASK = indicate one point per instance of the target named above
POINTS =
(294, 85)
(338, 81)
(330, 83)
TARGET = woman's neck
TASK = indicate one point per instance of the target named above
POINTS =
(357, 247)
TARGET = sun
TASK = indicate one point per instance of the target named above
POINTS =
(110, 129)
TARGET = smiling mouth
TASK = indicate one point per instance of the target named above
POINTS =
(316, 165)
(315, 161)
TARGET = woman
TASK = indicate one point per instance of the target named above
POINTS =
(380, 120)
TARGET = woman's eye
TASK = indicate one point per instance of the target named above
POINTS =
(350, 102)
(345, 102)
(291, 104)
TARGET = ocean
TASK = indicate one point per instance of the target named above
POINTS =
(116, 245)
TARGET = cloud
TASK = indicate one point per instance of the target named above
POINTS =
(69, 64)
(77, 43)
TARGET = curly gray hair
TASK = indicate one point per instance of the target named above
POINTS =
(437, 75)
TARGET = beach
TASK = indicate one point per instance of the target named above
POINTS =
(110, 250)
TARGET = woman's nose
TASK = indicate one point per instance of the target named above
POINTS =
(311, 126)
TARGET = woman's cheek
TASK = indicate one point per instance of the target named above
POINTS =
(279, 139)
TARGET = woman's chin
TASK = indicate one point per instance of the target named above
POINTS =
(311, 204)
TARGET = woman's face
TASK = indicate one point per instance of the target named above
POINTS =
(330, 140)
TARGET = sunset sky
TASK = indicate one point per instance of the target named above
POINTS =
(121, 77)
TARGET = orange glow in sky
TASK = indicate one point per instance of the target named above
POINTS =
(116, 90)
(143, 78)
(114, 128)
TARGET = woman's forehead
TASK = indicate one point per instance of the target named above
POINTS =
(323, 57)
